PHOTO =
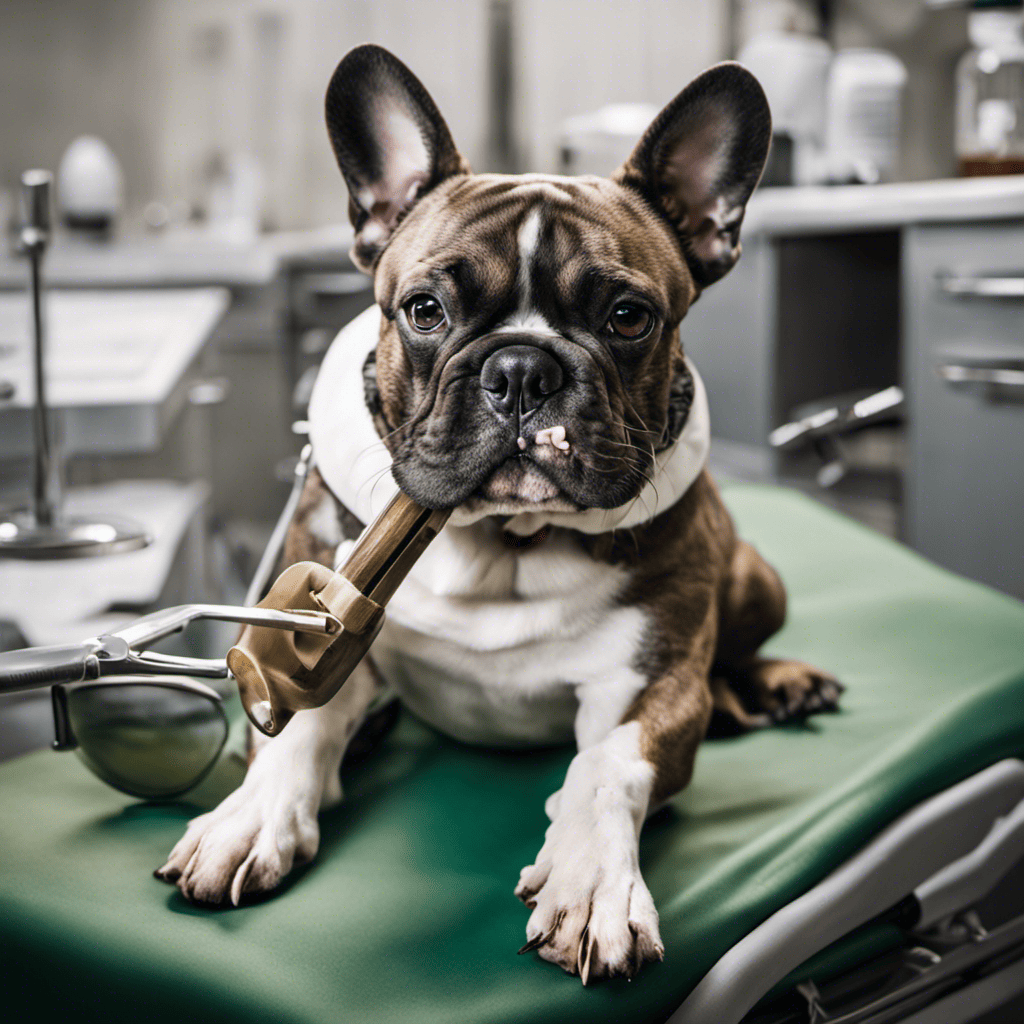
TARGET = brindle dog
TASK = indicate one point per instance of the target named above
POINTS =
(528, 374)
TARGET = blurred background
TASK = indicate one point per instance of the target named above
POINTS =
(178, 90)
(868, 348)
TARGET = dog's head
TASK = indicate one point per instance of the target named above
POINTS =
(529, 356)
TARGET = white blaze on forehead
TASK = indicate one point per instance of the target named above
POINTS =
(529, 233)
(526, 317)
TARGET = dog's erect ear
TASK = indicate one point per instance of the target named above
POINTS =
(700, 160)
(391, 143)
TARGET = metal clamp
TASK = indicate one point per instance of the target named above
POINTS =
(124, 652)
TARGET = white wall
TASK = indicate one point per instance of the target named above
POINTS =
(577, 55)
(172, 83)
(71, 68)
(266, 92)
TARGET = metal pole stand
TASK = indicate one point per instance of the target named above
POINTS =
(44, 531)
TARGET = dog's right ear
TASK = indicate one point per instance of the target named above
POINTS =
(700, 160)
(391, 143)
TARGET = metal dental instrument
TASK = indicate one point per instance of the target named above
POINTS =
(123, 652)
(44, 531)
(274, 678)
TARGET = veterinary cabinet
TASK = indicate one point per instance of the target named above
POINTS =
(920, 285)
(964, 341)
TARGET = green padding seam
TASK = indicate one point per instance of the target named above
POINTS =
(408, 913)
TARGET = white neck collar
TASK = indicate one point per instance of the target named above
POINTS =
(356, 465)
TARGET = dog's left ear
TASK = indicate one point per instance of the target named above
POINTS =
(700, 160)
(391, 143)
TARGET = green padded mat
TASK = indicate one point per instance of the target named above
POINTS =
(408, 913)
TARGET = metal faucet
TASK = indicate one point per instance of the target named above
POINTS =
(44, 531)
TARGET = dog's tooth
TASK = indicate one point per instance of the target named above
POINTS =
(554, 436)
(522, 444)
(373, 231)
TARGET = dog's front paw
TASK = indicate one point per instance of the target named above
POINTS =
(245, 845)
(592, 913)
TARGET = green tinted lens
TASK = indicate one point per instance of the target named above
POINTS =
(146, 739)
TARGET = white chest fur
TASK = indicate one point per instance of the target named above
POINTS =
(501, 646)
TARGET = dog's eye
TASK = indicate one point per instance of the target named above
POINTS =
(425, 313)
(629, 320)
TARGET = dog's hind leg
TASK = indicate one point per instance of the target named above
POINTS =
(750, 691)
(254, 837)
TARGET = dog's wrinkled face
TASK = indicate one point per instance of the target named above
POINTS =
(528, 342)
(529, 354)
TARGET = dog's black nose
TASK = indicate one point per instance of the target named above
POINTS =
(520, 378)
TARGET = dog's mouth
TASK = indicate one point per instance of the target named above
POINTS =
(519, 485)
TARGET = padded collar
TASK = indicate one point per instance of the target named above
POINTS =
(356, 465)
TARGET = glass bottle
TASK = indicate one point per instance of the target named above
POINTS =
(990, 92)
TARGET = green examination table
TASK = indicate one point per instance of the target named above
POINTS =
(798, 859)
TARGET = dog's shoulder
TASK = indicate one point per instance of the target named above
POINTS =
(321, 522)
(672, 563)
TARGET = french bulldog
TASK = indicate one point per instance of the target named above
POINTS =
(523, 368)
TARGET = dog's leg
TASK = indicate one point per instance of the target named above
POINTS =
(592, 911)
(751, 690)
(252, 839)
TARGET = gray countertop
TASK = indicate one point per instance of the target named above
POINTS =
(115, 362)
(183, 258)
(830, 209)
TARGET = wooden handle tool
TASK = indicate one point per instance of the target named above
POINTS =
(279, 671)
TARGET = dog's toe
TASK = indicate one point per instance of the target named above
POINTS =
(181, 855)
(242, 847)
(531, 880)
(592, 916)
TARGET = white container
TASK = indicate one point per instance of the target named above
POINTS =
(90, 185)
(864, 102)
(793, 71)
(599, 142)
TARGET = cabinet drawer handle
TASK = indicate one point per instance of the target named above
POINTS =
(983, 286)
(991, 375)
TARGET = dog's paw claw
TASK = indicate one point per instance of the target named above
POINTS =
(587, 949)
